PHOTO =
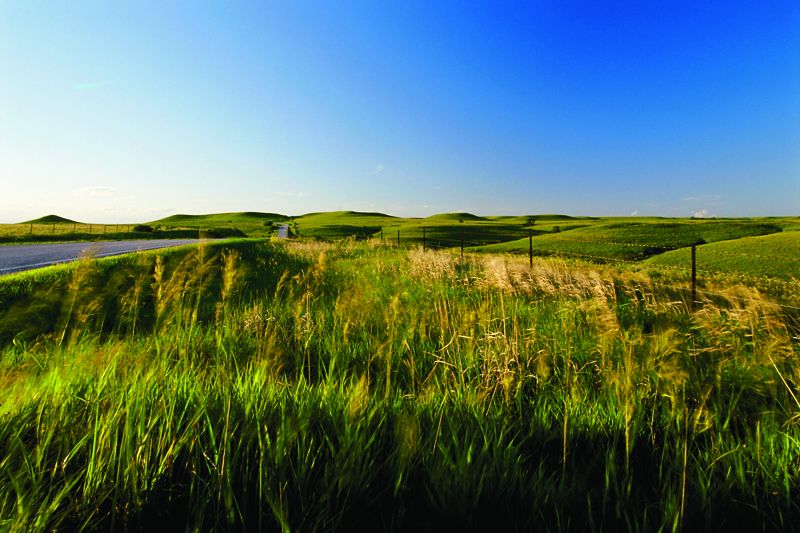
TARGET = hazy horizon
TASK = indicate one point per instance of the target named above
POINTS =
(115, 113)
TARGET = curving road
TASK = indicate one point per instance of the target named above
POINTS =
(20, 257)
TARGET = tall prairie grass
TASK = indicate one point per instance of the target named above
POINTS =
(351, 386)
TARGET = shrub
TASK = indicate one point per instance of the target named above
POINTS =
(143, 227)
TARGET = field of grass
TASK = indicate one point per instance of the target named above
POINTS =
(442, 230)
(340, 224)
(53, 228)
(354, 386)
(609, 238)
(634, 240)
(250, 223)
(776, 256)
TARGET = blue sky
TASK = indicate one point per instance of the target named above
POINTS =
(129, 111)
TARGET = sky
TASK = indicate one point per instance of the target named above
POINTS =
(131, 111)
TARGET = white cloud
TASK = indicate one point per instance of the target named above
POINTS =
(634, 212)
(707, 199)
(703, 213)
(95, 191)
(378, 169)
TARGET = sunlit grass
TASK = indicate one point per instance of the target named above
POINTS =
(351, 386)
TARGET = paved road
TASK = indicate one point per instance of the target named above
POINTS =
(27, 256)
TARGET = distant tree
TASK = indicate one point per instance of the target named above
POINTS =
(556, 229)
(143, 227)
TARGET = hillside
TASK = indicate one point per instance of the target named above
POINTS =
(776, 256)
(51, 219)
(634, 240)
(458, 217)
(217, 219)
(341, 224)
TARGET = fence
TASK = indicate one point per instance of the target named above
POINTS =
(33, 233)
(62, 229)
(427, 242)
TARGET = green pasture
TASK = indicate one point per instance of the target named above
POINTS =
(252, 224)
(308, 386)
(776, 256)
(634, 240)
(53, 228)
(599, 239)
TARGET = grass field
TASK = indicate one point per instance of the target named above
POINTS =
(635, 240)
(251, 224)
(622, 238)
(776, 256)
(353, 386)
(52, 228)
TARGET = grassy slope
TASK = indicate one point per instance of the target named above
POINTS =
(377, 389)
(776, 255)
(456, 217)
(630, 238)
(53, 228)
(246, 217)
(252, 224)
(31, 301)
(353, 218)
(443, 232)
(50, 219)
(446, 229)
(635, 240)
(340, 224)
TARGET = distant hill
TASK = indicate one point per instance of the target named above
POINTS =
(217, 218)
(556, 217)
(51, 219)
(338, 224)
(345, 214)
(774, 255)
(457, 216)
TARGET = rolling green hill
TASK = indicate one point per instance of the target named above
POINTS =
(341, 224)
(446, 234)
(246, 217)
(457, 217)
(634, 240)
(51, 219)
(252, 223)
(776, 255)
(593, 238)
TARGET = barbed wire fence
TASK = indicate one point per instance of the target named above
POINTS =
(695, 290)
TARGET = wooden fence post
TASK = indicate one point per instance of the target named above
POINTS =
(530, 249)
